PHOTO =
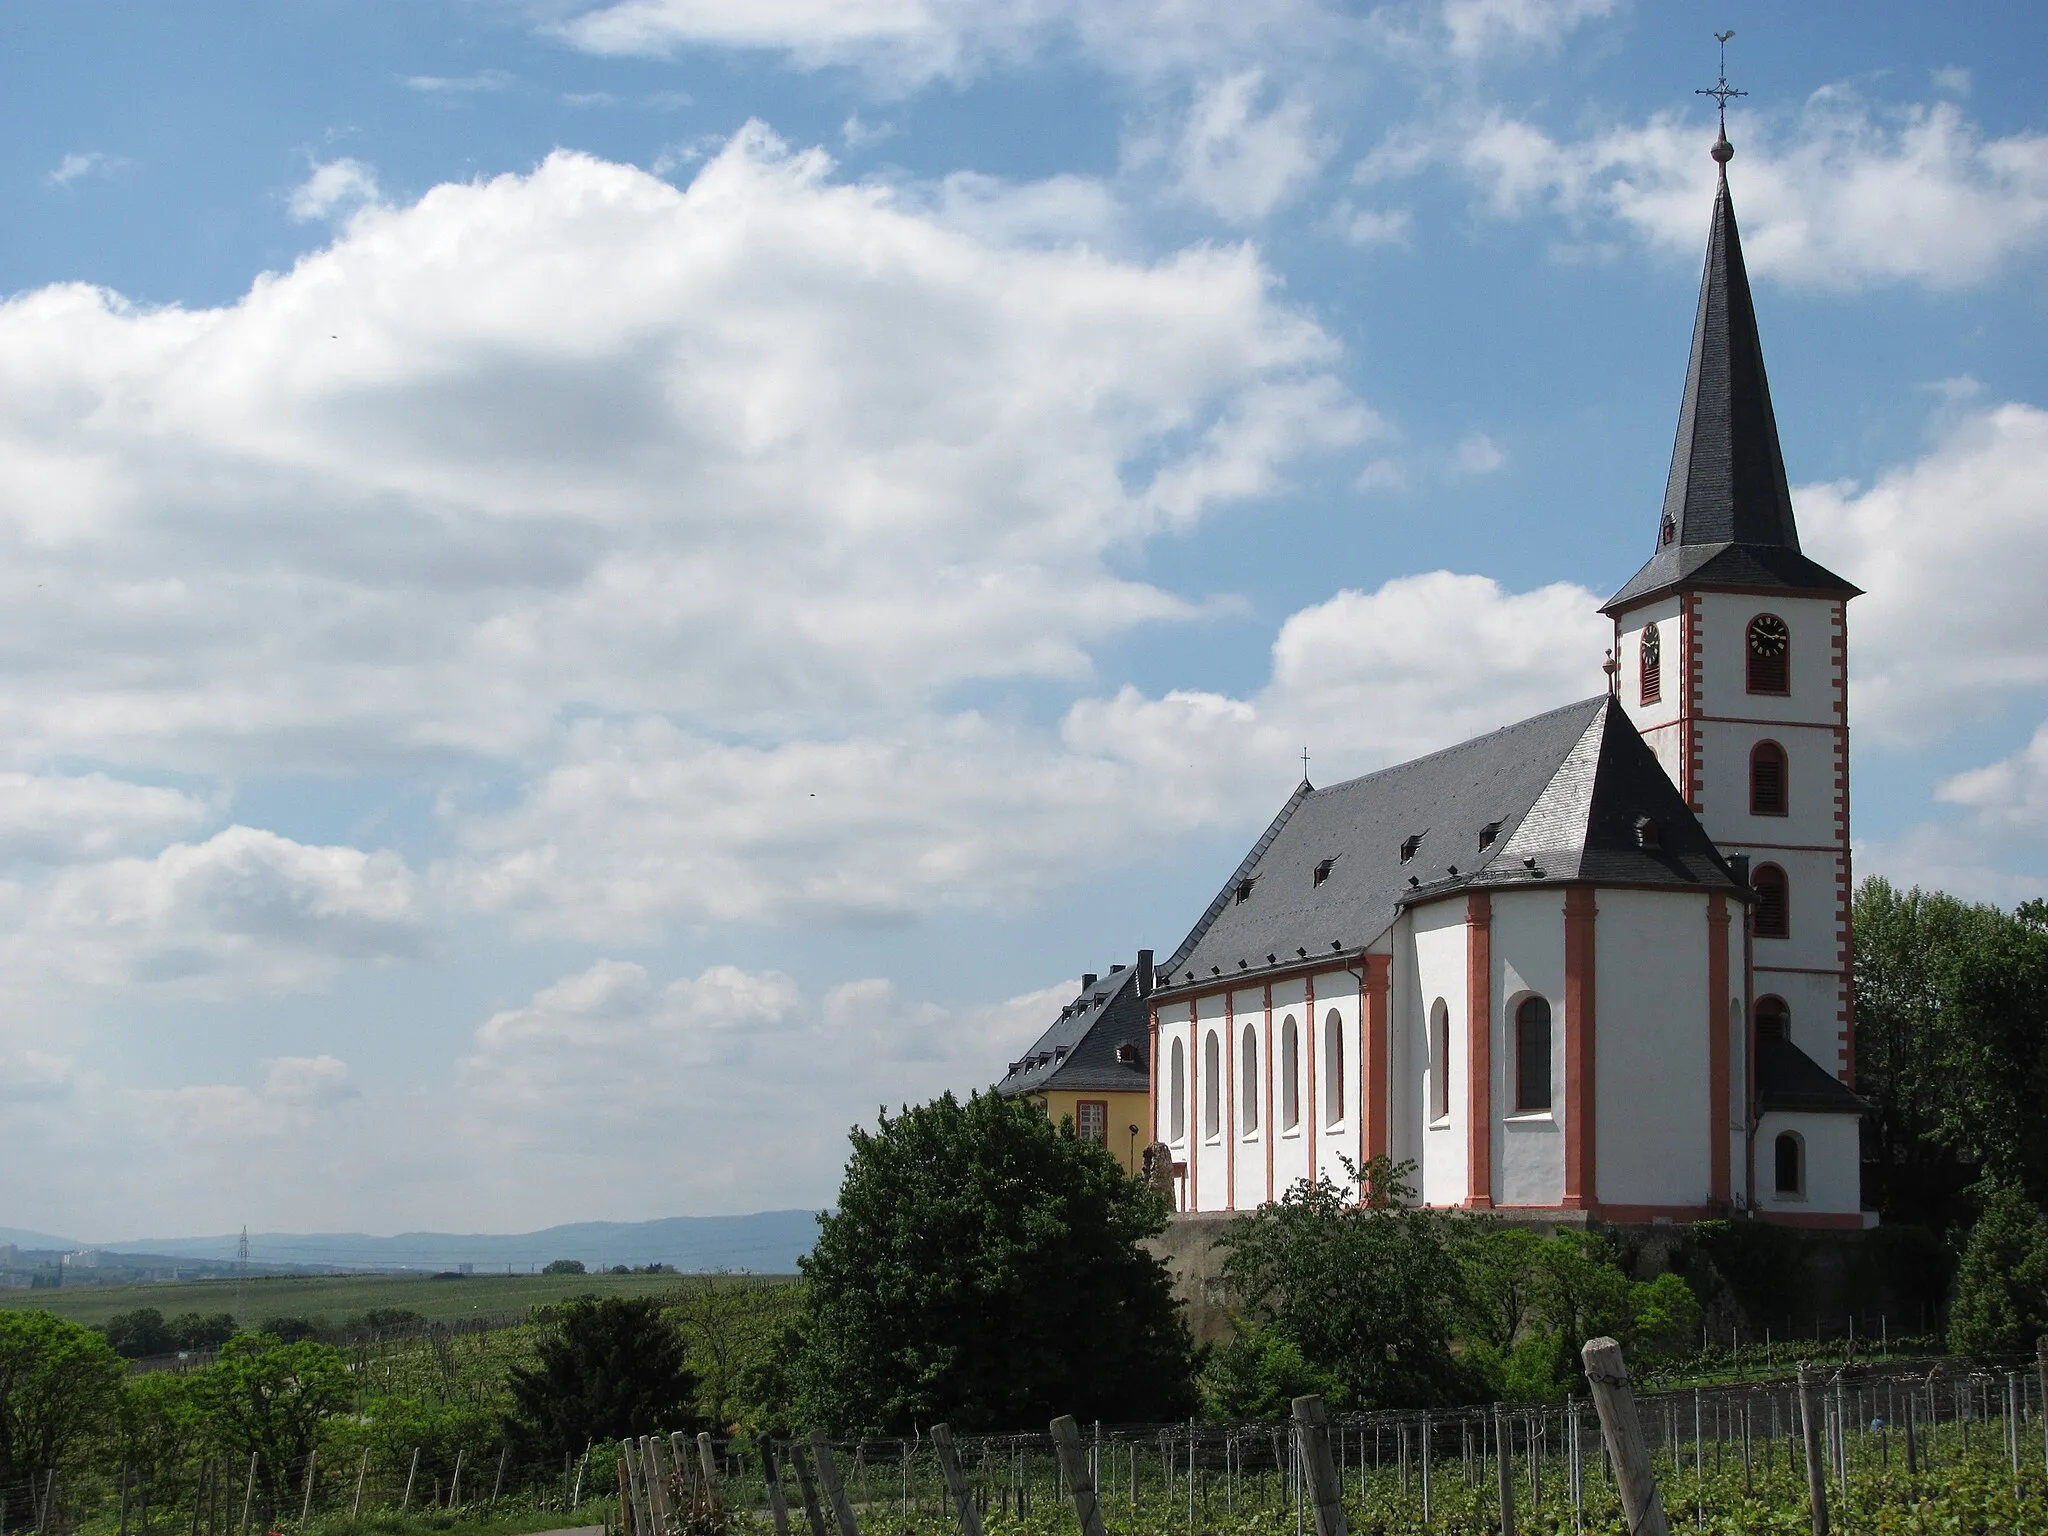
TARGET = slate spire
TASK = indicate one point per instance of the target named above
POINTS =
(1727, 516)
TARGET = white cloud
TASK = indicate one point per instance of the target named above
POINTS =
(1478, 454)
(460, 85)
(246, 910)
(77, 165)
(1952, 549)
(335, 188)
(1845, 195)
(1241, 158)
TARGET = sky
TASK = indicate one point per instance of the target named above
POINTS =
(592, 591)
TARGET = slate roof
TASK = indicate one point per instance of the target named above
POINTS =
(1788, 1078)
(1079, 1050)
(1727, 518)
(1563, 793)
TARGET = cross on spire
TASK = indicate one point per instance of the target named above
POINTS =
(1723, 93)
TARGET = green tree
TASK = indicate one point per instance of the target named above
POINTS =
(1370, 1293)
(608, 1368)
(984, 1267)
(2001, 1302)
(59, 1384)
(267, 1398)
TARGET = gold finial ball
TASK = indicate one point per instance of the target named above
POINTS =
(1722, 151)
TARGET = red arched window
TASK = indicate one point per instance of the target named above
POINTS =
(1652, 668)
(1767, 789)
(1770, 655)
(1773, 1019)
(1773, 903)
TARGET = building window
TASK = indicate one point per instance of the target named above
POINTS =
(1439, 1061)
(1789, 1157)
(1770, 655)
(1248, 1076)
(1333, 1069)
(1532, 1055)
(1290, 1074)
(1212, 1087)
(1773, 1019)
(1652, 665)
(1177, 1115)
(1773, 902)
(1767, 792)
(1091, 1120)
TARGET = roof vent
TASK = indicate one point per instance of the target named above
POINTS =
(1323, 868)
(1649, 832)
(1488, 833)
(1409, 846)
(1244, 890)
(1088, 979)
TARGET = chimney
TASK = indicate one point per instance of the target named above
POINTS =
(1144, 973)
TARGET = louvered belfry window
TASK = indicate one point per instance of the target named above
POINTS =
(1652, 665)
(1767, 790)
(1769, 648)
(1773, 906)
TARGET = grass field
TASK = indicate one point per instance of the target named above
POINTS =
(337, 1296)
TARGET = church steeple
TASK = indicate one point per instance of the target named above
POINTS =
(1727, 516)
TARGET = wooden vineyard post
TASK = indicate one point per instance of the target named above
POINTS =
(1066, 1437)
(1622, 1434)
(1816, 1473)
(1326, 1493)
(778, 1507)
(835, 1488)
(956, 1480)
(814, 1513)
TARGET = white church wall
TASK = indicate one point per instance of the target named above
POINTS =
(1724, 627)
(1650, 1047)
(1440, 950)
(1832, 1176)
(1528, 961)
(1337, 1137)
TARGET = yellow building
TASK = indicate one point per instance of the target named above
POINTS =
(1092, 1065)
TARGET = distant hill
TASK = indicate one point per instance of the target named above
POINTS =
(765, 1242)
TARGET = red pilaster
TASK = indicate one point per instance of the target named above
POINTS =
(1581, 1180)
(1479, 1050)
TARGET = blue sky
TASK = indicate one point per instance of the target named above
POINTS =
(597, 589)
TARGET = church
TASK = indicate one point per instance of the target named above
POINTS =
(1592, 966)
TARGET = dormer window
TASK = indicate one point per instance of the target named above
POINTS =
(1652, 668)
(1323, 867)
(1409, 845)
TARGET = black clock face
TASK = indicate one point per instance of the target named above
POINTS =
(1768, 636)
(1653, 648)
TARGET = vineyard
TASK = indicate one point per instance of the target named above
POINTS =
(1903, 1446)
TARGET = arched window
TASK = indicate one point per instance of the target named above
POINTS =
(1177, 1115)
(1652, 668)
(1248, 1078)
(1788, 1155)
(1769, 655)
(1333, 1069)
(1290, 1074)
(1532, 1055)
(1773, 902)
(1773, 1019)
(1212, 1087)
(1768, 795)
(1439, 1061)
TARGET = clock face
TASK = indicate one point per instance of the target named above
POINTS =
(1768, 635)
(1653, 647)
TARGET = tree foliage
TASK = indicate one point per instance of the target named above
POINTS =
(1370, 1293)
(609, 1367)
(984, 1268)
(1951, 1047)
(59, 1383)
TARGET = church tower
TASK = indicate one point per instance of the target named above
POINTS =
(1731, 652)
